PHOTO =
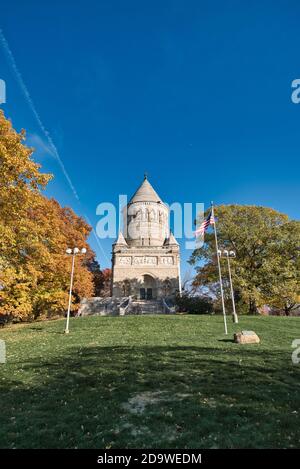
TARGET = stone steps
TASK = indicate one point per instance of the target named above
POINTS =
(146, 307)
(122, 307)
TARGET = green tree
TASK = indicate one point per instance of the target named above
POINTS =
(266, 268)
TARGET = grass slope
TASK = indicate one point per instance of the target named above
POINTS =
(150, 381)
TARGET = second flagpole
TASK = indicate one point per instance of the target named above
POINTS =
(219, 267)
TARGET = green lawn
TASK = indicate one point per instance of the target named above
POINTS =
(150, 381)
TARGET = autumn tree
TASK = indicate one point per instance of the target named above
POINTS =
(106, 279)
(266, 268)
(102, 282)
(101, 279)
(34, 233)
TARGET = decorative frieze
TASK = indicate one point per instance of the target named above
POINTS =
(144, 260)
(125, 260)
(167, 260)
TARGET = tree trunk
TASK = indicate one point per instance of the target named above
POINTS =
(252, 306)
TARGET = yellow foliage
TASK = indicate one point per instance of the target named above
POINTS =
(34, 234)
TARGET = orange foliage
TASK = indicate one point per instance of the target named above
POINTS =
(34, 234)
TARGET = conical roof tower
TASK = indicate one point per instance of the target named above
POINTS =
(145, 193)
(121, 240)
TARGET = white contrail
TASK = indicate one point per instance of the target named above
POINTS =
(34, 111)
(97, 239)
(52, 146)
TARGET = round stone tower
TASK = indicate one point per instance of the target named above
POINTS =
(146, 218)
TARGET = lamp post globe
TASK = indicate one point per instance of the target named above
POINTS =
(73, 251)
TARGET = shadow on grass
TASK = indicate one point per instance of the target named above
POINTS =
(226, 340)
(45, 331)
(148, 396)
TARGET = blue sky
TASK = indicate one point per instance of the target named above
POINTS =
(197, 94)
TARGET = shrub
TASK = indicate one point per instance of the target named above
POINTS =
(194, 304)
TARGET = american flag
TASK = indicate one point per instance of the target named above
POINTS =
(209, 220)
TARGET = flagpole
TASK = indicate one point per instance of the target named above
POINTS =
(219, 267)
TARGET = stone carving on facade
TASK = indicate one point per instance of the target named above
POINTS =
(167, 260)
(125, 260)
(139, 214)
(162, 217)
(151, 215)
(144, 260)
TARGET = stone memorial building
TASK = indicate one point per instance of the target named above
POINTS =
(145, 257)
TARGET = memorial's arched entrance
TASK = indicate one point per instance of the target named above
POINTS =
(148, 290)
